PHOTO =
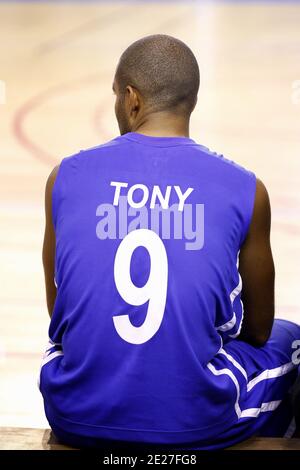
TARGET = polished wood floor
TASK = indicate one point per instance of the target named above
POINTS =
(57, 62)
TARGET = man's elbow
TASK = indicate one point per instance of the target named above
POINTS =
(257, 339)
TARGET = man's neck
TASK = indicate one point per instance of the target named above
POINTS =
(163, 125)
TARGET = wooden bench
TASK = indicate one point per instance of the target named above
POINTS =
(267, 443)
(43, 439)
(29, 439)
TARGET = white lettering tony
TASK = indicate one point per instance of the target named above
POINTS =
(157, 195)
(117, 190)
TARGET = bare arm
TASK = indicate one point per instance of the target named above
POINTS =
(257, 271)
(49, 243)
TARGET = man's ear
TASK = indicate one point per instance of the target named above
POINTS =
(133, 99)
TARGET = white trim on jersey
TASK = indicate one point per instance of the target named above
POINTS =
(234, 380)
(271, 374)
(234, 362)
(237, 290)
(228, 325)
(48, 356)
(255, 412)
(221, 347)
(51, 356)
(265, 375)
(51, 344)
(241, 322)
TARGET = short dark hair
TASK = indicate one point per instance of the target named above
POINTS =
(163, 69)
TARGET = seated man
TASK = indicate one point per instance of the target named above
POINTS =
(148, 241)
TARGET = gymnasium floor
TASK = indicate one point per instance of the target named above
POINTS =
(57, 62)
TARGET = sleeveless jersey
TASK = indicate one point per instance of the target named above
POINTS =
(148, 232)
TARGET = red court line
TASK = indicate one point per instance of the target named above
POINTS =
(22, 113)
(32, 104)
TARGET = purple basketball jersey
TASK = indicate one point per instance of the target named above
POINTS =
(148, 231)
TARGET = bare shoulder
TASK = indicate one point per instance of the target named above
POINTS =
(48, 190)
(261, 216)
(51, 178)
(262, 195)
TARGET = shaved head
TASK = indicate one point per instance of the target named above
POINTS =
(163, 70)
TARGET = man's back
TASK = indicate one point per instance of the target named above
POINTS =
(148, 231)
(143, 236)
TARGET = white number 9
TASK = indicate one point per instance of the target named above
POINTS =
(154, 291)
